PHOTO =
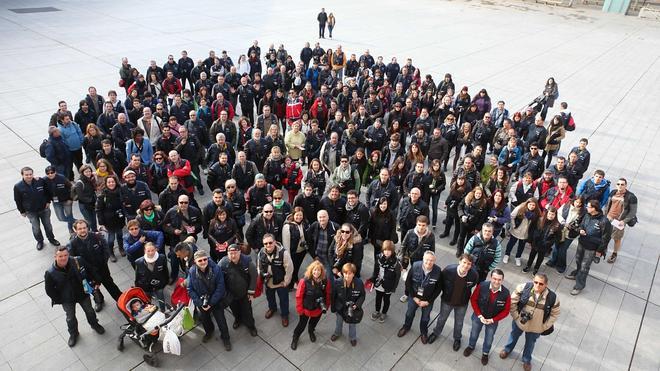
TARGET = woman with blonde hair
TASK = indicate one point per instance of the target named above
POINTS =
(524, 218)
(472, 211)
(346, 247)
(92, 143)
(312, 300)
(347, 298)
(103, 170)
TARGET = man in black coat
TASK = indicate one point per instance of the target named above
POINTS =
(323, 19)
(33, 201)
(64, 285)
(93, 248)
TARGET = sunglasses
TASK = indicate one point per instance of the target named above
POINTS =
(268, 211)
(277, 198)
(158, 158)
(345, 232)
(149, 209)
(50, 172)
(232, 187)
(184, 202)
(539, 283)
(268, 243)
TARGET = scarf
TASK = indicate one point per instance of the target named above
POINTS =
(343, 174)
(149, 218)
(102, 174)
(151, 260)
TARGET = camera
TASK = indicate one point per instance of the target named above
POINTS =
(349, 309)
(525, 316)
(120, 214)
(378, 282)
(205, 301)
(322, 305)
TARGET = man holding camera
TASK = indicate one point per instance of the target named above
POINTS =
(276, 269)
(206, 288)
(534, 308)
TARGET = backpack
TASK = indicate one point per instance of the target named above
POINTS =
(43, 146)
(569, 123)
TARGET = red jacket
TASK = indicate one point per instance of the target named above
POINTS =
(289, 173)
(217, 107)
(300, 292)
(293, 110)
(184, 174)
(172, 87)
(474, 299)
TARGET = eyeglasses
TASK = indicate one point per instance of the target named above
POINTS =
(159, 109)
(50, 172)
(277, 198)
(345, 232)
(267, 211)
(268, 243)
(232, 187)
(149, 209)
(201, 260)
(158, 158)
(533, 149)
(539, 283)
(184, 202)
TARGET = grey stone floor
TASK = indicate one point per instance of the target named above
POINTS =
(607, 69)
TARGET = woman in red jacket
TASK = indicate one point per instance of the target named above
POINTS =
(292, 177)
(312, 300)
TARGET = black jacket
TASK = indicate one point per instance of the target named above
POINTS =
(258, 228)
(109, 209)
(599, 232)
(309, 204)
(31, 197)
(59, 188)
(391, 268)
(244, 179)
(65, 285)
(427, 289)
(359, 217)
(376, 190)
(132, 197)
(336, 209)
(175, 220)
(341, 295)
(312, 236)
(94, 251)
(408, 212)
(449, 275)
(151, 280)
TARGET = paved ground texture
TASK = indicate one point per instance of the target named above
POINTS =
(606, 66)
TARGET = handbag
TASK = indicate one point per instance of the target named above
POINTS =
(259, 288)
(188, 322)
(180, 293)
(358, 313)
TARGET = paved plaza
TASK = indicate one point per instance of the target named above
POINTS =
(607, 67)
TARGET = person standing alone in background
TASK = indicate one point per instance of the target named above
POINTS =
(331, 23)
(322, 18)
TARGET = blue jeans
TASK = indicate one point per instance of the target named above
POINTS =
(283, 293)
(459, 316)
(64, 213)
(530, 340)
(115, 234)
(558, 256)
(41, 218)
(89, 215)
(352, 328)
(476, 331)
(423, 322)
(521, 246)
(583, 260)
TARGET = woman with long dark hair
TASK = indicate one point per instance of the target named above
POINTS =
(499, 212)
(435, 183)
(544, 236)
(382, 225)
(293, 239)
(457, 191)
(472, 211)
(222, 233)
(110, 213)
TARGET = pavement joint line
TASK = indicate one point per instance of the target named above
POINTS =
(16, 134)
(641, 323)
(616, 105)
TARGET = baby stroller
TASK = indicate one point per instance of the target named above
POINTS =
(144, 329)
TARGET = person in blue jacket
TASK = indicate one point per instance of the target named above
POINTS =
(136, 238)
(206, 288)
(73, 138)
(595, 188)
(140, 145)
(58, 154)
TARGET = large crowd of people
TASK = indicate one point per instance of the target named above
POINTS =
(327, 155)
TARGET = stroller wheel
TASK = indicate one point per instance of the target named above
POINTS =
(150, 359)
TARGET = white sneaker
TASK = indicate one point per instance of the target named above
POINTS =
(518, 262)
(505, 259)
(403, 298)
